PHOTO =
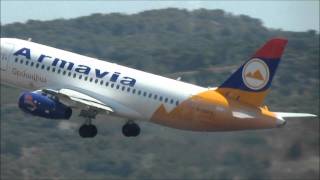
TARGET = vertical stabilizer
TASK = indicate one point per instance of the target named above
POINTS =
(251, 82)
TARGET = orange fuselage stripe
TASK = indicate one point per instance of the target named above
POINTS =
(211, 111)
(251, 98)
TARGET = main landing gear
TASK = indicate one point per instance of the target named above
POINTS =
(88, 130)
(131, 129)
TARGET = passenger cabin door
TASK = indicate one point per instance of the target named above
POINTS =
(6, 53)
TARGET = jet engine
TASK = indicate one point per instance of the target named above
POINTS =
(44, 105)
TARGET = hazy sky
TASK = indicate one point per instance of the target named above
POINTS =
(287, 15)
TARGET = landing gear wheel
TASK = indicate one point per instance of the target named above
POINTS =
(88, 131)
(131, 129)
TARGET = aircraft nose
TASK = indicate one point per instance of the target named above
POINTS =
(280, 122)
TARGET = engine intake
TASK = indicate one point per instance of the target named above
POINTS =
(44, 105)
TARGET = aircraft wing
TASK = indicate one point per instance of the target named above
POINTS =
(77, 99)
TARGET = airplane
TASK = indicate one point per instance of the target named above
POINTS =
(58, 83)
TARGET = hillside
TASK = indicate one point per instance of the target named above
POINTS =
(203, 47)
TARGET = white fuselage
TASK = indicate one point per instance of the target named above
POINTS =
(33, 66)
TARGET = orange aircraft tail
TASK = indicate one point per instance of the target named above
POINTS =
(251, 82)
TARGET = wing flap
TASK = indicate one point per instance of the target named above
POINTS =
(71, 97)
(92, 104)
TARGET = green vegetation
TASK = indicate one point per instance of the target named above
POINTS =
(201, 46)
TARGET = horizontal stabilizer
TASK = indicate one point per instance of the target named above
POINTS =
(292, 115)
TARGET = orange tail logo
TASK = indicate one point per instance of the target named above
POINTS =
(256, 75)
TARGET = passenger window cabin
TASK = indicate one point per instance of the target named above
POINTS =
(123, 88)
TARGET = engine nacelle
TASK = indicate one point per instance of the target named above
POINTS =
(44, 105)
